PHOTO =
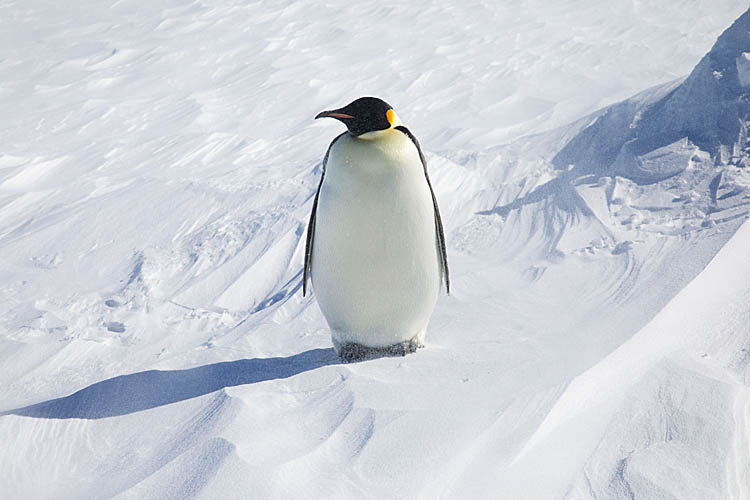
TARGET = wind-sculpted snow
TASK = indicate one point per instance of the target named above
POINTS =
(157, 167)
(708, 111)
(667, 411)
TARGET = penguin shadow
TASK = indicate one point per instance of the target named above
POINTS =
(126, 394)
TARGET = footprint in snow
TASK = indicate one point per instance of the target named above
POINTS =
(115, 326)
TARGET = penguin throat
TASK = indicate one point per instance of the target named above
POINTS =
(374, 135)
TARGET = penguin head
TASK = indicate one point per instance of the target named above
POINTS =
(365, 117)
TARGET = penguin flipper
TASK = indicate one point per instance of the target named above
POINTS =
(442, 254)
(307, 269)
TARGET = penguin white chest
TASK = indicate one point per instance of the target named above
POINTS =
(375, 265)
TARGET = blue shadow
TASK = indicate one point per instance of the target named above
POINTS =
(127, 394)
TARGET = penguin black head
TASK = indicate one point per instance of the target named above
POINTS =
(364, 115)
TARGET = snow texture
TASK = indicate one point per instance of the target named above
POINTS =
(157, 167)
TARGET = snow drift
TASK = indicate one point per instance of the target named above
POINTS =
(649, 138)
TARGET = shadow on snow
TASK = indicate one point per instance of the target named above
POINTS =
(127, 394)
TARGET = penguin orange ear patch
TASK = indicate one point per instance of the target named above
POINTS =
(390, 115)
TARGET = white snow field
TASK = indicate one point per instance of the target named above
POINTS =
(157, 166)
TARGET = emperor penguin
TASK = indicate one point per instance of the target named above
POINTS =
(375, 250)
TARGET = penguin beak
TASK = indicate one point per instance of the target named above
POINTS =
(333, 114)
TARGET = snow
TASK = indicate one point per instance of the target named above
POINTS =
(671, 391)
(157, 169)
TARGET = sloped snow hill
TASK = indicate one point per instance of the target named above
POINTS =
(156, 173)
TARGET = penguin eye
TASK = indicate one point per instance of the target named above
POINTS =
(390, 115)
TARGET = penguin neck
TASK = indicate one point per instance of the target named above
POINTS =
(375, 135)
(388, 154)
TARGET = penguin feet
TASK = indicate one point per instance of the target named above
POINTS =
(351, 352)
(404, 348)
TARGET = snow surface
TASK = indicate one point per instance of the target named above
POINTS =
(157, 167)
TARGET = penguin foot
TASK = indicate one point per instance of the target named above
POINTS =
(350, 353)
(403, 348)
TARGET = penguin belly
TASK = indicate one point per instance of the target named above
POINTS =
(375, 265)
